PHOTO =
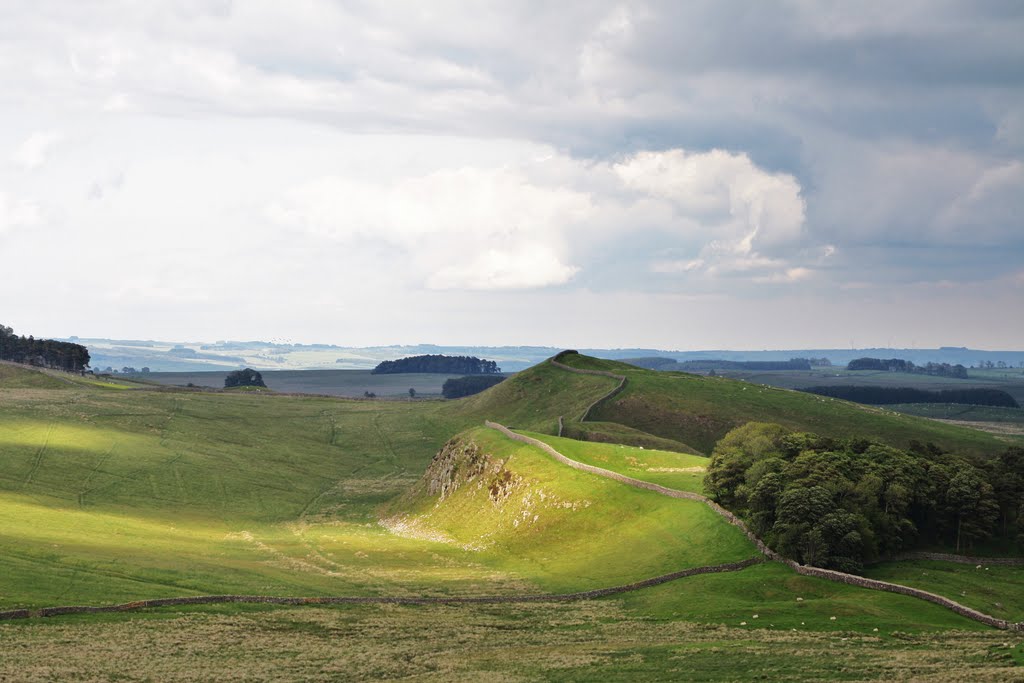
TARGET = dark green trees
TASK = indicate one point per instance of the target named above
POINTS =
(449, 365)
(838, 504)
(457, 387)
(45, 353)
(244, 378)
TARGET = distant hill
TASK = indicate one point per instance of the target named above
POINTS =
(265, 355)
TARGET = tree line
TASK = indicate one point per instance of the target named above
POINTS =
(899, 365)
(436, 363)
(457, 387)
(46, 353)
(880, 396)
(841, 503)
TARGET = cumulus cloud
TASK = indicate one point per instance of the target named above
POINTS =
(473, 228)
(32, 153)
(712, 148)
(17, 213)
(522, 226)
(724, 201)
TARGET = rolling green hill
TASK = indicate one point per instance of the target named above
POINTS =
(699, 410)
(110, 496)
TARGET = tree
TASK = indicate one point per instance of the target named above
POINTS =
(412, 393)
(972, 504)
(799, 512)
(457, 387)
(244, 378)
(449, 365)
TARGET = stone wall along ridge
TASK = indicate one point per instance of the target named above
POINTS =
(827, 574)
(600, 373)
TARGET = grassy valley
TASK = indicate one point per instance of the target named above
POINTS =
(111, 494)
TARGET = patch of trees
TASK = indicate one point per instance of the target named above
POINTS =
(244, 378)
(448, 365)
(457, 387)
(880, 396)
(899, 365)
(760, 365)
(841, 503)
(45, 353)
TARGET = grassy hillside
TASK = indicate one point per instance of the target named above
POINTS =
(15, 376)
(565, 529)
(995, 590)
(1010, 380)
(108, 496)
(535, 398)
(681, 471)
(700, 410)
(112, 496)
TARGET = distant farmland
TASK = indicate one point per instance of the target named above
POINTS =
(352, 383)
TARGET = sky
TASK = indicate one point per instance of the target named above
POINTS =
(719, 174)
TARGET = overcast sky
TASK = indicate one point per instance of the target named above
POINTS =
(677, 175)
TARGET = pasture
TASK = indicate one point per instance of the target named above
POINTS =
(349, 383)
(114, 495)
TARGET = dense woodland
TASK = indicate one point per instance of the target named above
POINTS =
(45, 353)
(448, 365)
(457, 387)
(842, 503)
(880, 396)
(899, 365)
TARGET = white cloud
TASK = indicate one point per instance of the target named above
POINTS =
(440, 148)
(473, 228)
(524, 225)
(16, 214)
(528, 266)
(32, 153)
(724, 201)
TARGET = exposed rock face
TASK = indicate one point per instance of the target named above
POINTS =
(460, 463)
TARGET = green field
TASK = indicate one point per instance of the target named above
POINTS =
(114, 495)
(350, 383)
(1010, 380)
(699, 410)
(992, 589)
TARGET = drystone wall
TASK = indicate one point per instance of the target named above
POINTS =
(381, 600)
(804, 570)
(863, 582)
(600, 373)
